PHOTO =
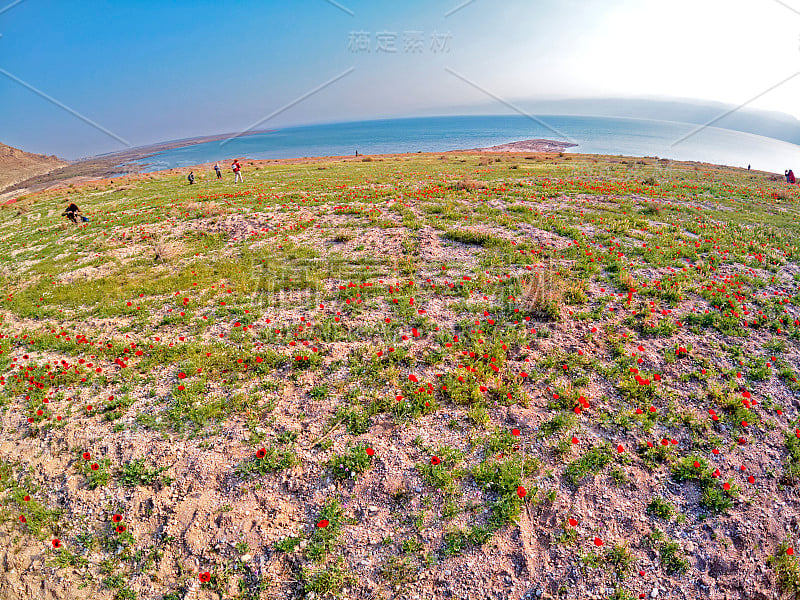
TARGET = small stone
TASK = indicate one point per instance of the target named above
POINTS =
(654, 593)
(246, 557)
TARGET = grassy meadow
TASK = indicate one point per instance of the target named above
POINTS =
(424, 376)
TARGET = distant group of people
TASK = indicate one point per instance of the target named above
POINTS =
(73, 213)
(790, 178)
(236, 167)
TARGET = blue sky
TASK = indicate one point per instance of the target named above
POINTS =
(153, 71)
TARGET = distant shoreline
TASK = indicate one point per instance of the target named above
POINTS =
(530, 146)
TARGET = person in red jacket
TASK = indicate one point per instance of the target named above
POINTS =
(237, 171)
(790, 177)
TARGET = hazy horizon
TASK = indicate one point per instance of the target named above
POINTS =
(684, 111)
(134, 74)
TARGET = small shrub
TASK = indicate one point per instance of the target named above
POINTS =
(400, 570)
(319, 392)
(787, 571)
(712, 496)
(286, 437)
(342, 236)
(458, 540)
(96, 472)
(136, 472)
(621, 594)
(501, 440)
(287, 544)
(542, 295)
(560, 422)
(661, 508)
(267, 460)
(590, 463)
(353, 462)
(468, 236)
(620, 559)
(355, 419)
(327, 581)
(503, 476)
(791, 473)
(718, 499)
(468, 184)
(326, 532)
(670, 551)
(655, 454)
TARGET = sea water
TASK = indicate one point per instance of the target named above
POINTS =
(593, 135)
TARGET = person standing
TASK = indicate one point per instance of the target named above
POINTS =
(237, 171)
(790, 178)
(218, 171)
(190, 177)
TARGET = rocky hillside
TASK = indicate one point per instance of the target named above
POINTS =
(17, 165)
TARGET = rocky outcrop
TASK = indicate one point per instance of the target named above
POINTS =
(17, 165)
